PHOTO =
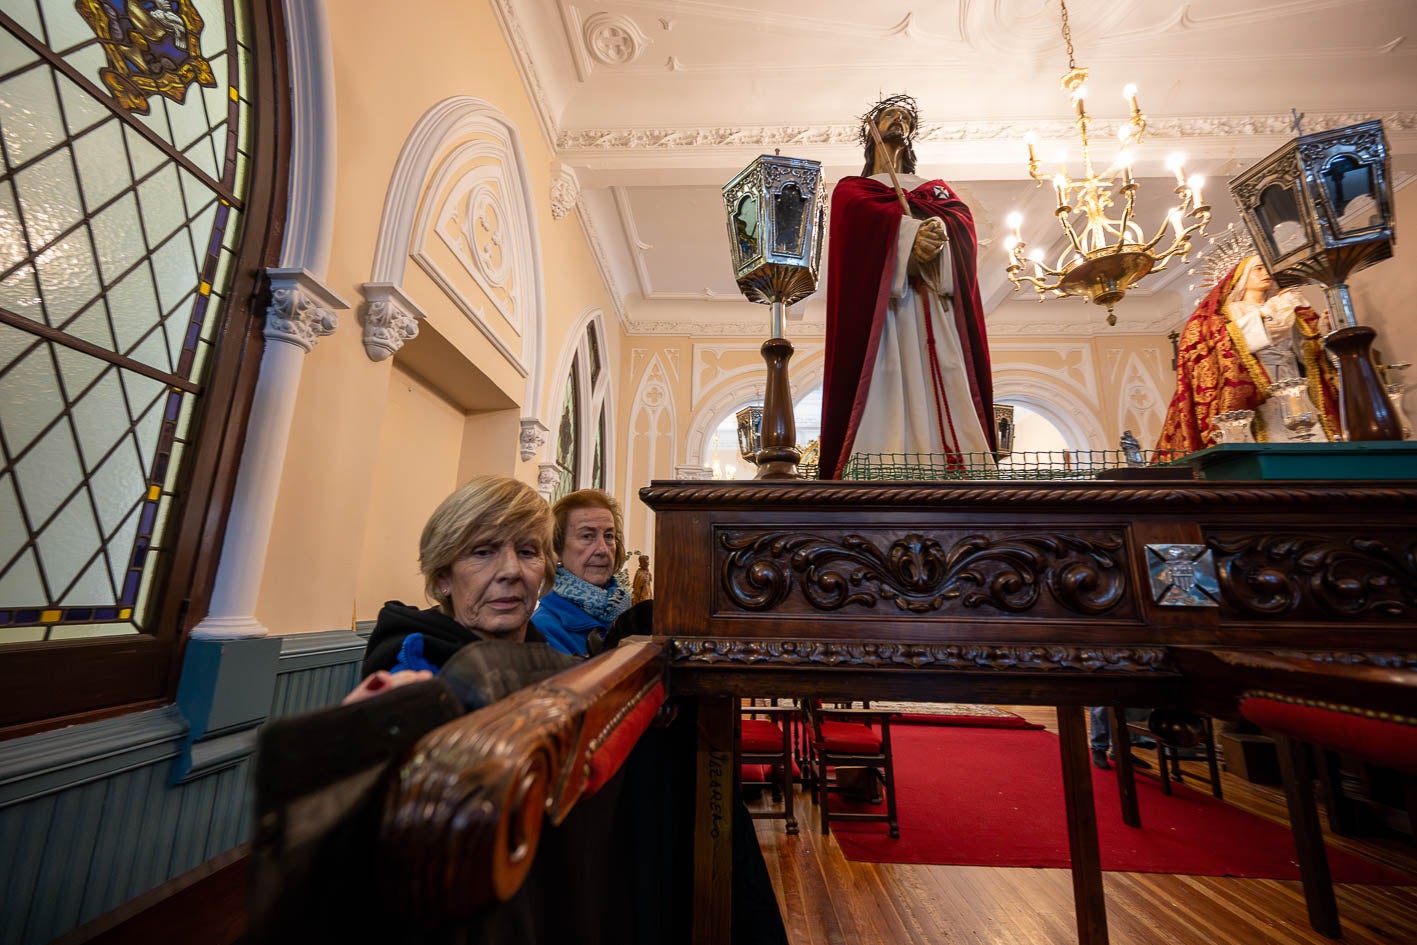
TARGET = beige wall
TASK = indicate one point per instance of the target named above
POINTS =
(375, 445)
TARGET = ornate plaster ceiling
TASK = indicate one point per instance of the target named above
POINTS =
(654, 104)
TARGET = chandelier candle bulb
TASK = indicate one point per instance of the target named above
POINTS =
(1177, 164)
(1194, 183)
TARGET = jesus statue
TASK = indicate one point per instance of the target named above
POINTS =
(907, 359)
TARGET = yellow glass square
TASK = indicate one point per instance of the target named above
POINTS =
(232, 90)
(125, 613)
(50, 616)
(154, 491)
(205, 288)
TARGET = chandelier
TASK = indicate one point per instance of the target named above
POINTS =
(1105, 252)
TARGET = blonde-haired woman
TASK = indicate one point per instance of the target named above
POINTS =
(1241, 338)
(485, 554)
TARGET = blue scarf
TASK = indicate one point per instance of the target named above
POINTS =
(603, 603)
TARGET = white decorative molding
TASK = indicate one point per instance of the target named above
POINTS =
(309, 218)
(451, 141)
(390, 319)
(637, 246)
(705, 420)
(533, 437)
(548, 477)
(565, 190)
(484, 232)
(302, 310)
(612, 39)
(602, 265)
(512, 32)
(1205, 126)
(718, 328)
(693, 473)
(1039, 391)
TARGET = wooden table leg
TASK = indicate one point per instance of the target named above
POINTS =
(1122, 761)
(713, 821)
(1308, 836)
(1088, 897)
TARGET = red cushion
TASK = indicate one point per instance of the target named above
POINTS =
(763, 774)
(616, 748)
(761, 737)
(852, 737)
(1391, 744)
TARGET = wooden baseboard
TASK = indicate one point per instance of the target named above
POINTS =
(204, 906)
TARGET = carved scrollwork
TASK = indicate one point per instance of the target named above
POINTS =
(869, 654)
(918, 575)
(1334, 577)
(486, 780)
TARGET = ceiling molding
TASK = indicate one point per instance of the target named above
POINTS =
(517, 42)
(1206, 126)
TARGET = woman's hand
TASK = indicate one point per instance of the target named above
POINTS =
(383, 681)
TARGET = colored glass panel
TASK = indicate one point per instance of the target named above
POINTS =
(118, 219)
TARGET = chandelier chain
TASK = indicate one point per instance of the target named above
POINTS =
(1068, 35)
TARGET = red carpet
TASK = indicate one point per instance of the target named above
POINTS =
(982, 797)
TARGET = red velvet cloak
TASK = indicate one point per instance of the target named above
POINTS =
(865, 224)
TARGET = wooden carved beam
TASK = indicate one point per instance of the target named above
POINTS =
(464, 816)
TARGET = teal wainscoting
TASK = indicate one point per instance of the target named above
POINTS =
(94, 815)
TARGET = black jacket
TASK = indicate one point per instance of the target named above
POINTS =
(442, 636)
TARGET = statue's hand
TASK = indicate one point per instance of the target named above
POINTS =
(929, 241)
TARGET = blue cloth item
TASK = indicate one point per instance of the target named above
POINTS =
(602, 603)
(564, 624)
(411, 655)
(1101, 738)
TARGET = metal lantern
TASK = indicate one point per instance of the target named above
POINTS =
(750, 432)
(777, 221)
(1319, 209)
(1004, 429)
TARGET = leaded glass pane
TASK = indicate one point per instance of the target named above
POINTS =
(49, 198)
(597, 468)
(30, 120)
(568, 434)
(594, 346)
(121, 238)
(103, 169)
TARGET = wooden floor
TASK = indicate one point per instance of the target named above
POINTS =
(826, 898)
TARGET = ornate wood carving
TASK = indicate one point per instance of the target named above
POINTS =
(874, 654)
(1115, 496)
(1350, 658)
(1317, 576)
(1084, 572)
(464, 816)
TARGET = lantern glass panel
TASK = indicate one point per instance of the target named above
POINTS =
(789, 218)
(746, 228)
(750, 432)
(1349, 186)
(1280, 220)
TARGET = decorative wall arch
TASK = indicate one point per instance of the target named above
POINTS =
(309, 221)
(1039, 392)
(743, 391)
(391, 316)
(652, 419)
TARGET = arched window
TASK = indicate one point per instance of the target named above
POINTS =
(137, 192)
(582, 445)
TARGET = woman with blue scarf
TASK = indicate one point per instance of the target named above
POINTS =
(589, 541)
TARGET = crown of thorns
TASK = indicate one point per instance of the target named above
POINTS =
(902, 101)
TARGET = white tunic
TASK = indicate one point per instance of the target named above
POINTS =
(900, 414)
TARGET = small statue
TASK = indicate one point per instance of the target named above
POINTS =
(1131, 449)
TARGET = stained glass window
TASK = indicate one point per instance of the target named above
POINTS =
(568, 433)
(593, 352)
(597, 468)
(125, 132)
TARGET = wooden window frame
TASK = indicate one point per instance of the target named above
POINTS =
(58, 683)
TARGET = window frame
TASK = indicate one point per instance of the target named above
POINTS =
(64, 682)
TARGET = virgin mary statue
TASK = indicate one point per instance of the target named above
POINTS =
(1242, 338)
